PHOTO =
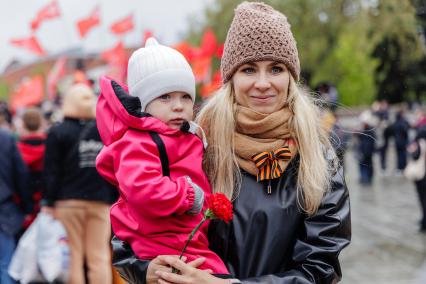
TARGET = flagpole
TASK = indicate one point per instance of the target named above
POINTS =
(66, 29)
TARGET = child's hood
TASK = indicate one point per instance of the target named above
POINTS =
(117, 111)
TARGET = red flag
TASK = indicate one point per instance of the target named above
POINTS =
(117, 61)
(30, 43)
(219, 51)
(208, 44)
(55, 74)
(187, 50)
(29, 93)
(122, 26)
(86, 24)
(50, 11)
(209, 88)
(147, 34)
(115, 55)
(201, 68)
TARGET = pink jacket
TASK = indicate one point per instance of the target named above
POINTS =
(151, 212)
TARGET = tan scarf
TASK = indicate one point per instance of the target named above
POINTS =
(261, 138)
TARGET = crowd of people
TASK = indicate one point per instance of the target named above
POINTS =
(49, 166)
(384, 131)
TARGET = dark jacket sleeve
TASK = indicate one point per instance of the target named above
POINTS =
(132, 269)
(324, 235)
(52, 167)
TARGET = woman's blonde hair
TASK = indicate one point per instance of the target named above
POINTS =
(317, 158)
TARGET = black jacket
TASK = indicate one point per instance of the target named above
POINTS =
(70, 170)
(270, 239)
(13, 181)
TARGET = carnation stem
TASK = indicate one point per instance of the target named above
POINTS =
(174, 270)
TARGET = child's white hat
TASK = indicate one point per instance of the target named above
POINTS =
(156, 70)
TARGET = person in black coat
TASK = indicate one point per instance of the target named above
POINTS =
(366, 148)
(399, 131)
(268, 152)
(13, 185)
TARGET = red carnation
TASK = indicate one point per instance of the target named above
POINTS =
(219, 208)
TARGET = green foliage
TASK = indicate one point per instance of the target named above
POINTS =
(4, 90)
(352, 69)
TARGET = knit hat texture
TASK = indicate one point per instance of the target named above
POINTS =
(156, 70)
(258, 32)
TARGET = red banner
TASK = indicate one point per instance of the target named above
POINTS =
(117, 61)
(122, 26)
(208, 44)
(201, 69)
(30, 43)
(86, 24)
(55, 74)
(29, 93)
(208, 89)
(50, 11)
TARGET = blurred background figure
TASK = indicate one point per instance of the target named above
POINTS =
(383, 131)
(5, 116)
(399, 131)
(13, 190)
(31, 145)
(414, 150)
(366, 145)
(75, 193)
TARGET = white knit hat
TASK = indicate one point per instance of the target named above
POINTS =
(157, 70)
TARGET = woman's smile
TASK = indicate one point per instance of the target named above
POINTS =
(262, 99)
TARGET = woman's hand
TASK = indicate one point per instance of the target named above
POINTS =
(159, 264)
(188, 273)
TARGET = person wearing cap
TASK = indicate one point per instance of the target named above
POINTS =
(267, 150)
(154, 157)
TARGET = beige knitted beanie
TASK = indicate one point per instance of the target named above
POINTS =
(258, 32)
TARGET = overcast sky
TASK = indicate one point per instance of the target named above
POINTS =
(167, 19)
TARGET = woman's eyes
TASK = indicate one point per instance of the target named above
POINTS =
(273, 70)
(248, 70)
(276, 69)
(187, 97)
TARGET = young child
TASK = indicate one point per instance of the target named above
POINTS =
(152, 156)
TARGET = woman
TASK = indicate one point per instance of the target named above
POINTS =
(290, 225)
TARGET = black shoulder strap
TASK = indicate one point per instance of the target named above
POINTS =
(163, 154)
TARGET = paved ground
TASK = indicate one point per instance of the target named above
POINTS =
(386, 246)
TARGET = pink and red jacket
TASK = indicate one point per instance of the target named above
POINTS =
(151, 213)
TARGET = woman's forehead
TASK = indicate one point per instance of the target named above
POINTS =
(263, 63)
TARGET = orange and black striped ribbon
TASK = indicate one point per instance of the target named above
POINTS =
(267, 163)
